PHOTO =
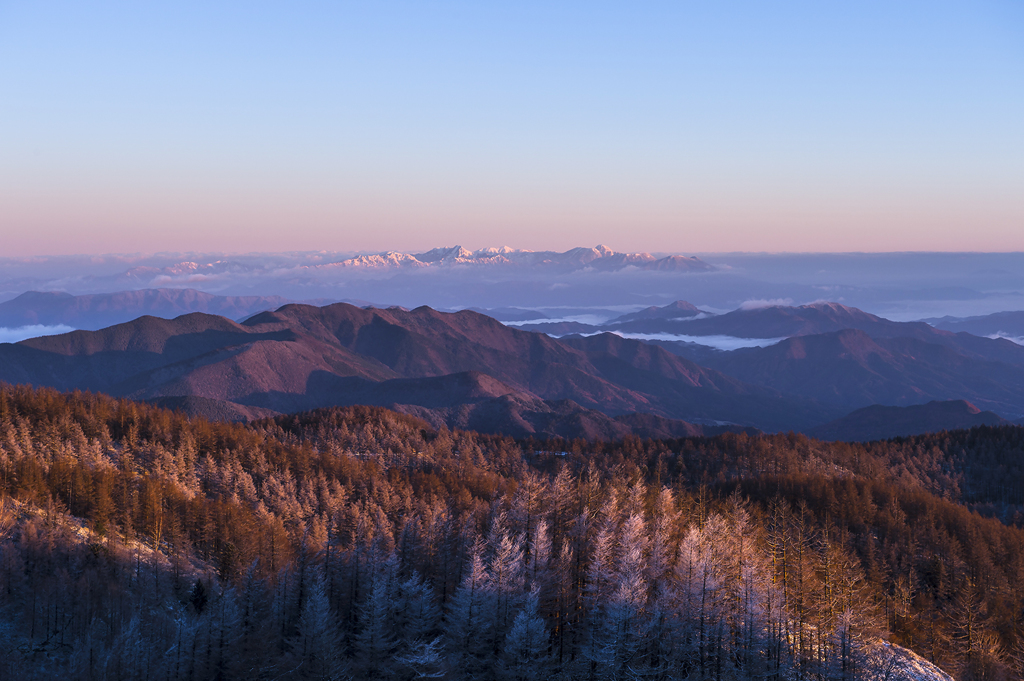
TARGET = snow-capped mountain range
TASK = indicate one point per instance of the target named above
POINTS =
(323, 274)
(599, 258)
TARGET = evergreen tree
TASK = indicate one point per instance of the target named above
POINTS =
(525, 654)
(470, 621)
(376, 640)
(316, 647)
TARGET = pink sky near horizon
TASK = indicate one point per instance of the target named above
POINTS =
(145, 222)
(677, 128)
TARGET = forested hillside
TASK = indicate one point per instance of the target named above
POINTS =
(360, 543)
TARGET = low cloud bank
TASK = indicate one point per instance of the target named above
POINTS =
(13, 335)
(591, 319)
(1019, 340)
(717, 342)
(758, 304)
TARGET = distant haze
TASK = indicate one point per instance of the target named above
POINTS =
(899, 286)
(662, 127)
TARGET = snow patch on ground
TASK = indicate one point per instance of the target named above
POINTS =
(891, 662)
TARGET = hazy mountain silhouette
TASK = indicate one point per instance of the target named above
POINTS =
(677, 310)
(681, 318)
(776, 322)
(1004, 323)
(879, 422)
(559, 329)
(99, 310)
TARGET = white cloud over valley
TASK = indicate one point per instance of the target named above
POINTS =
(13, 335)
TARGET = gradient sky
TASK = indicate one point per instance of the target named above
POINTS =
(660, 126)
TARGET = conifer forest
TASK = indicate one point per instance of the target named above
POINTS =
(359, 543)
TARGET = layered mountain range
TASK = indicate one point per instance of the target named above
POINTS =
(840, 356)
(1009, 324)
(468, 370)
(768, 321)
(463, 369)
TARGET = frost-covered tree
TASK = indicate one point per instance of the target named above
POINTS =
(424, 660)
(469, 622)
(618, 617)
(506, 577)
(376, 640)
(317, 646)
(417, 612)
(525, 655)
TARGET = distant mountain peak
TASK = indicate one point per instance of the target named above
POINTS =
(500, 250)
(678, 263)
(679, 309)
(446, 254)
(34, 296)
(681, 305)
(828, 306)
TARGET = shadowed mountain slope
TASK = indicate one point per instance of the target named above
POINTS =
(212, 410)
(851, 369)
(879, 422)
(559, 329)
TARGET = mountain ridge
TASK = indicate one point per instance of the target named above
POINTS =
(851, 369)
(468, 370)
(1008, 323)
(882, 422)
(302, 357)
(95, 311)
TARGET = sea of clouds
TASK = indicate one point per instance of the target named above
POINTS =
(717, 342)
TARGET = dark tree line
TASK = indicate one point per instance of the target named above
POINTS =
(359, 543)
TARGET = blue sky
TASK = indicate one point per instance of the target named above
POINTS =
(685, 127)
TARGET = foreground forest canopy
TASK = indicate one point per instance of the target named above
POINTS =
(355, 542)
